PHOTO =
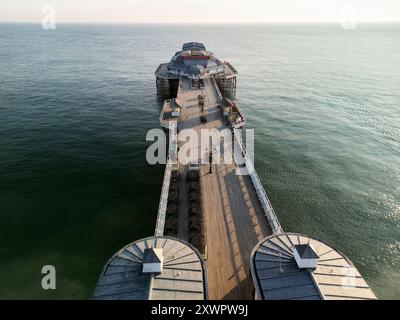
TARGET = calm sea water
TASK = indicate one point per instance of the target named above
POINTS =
(76, 103)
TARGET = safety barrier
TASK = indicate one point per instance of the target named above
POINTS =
(262, 195)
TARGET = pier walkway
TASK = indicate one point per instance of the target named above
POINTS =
(234, 218)
(217, 235)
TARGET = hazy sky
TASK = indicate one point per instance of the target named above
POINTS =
(203, 10)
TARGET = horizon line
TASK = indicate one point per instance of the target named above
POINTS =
(206, 23)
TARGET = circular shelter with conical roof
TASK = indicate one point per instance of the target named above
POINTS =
(294, 266)
(156, 268)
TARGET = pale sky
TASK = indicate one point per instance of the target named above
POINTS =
(203, 11)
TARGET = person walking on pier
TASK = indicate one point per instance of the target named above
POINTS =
(210, 159)
(201, 101)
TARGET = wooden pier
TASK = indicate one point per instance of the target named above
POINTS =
(234, 218)
(217, 235)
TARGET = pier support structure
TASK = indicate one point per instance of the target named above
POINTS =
(167, 88)
(162, 87)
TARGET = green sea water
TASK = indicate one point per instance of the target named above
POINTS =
(76, 104)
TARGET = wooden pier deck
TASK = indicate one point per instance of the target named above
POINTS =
(235, 223)
(234, 219)
(217, 235)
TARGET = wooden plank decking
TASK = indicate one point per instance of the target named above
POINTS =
(234, 225)
(234, 219)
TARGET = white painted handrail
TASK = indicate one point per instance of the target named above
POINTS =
(163, 111)
(262, 195)
(162, 209)
(217, 89)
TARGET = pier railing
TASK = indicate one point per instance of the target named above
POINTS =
(162, 122)
(158, 69)
(231, 67)
(262, 195)
(162, 209)
(239, 123)
(214, 82)
(172, 159)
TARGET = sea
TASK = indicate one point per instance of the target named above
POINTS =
(76, 104)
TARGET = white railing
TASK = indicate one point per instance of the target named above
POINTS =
(162, 112)
(172, 158)
(231, 67)
(239, 123)
(164, 123)
(262, 195)
(208, 71)
(217, 89)
(162, 209)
